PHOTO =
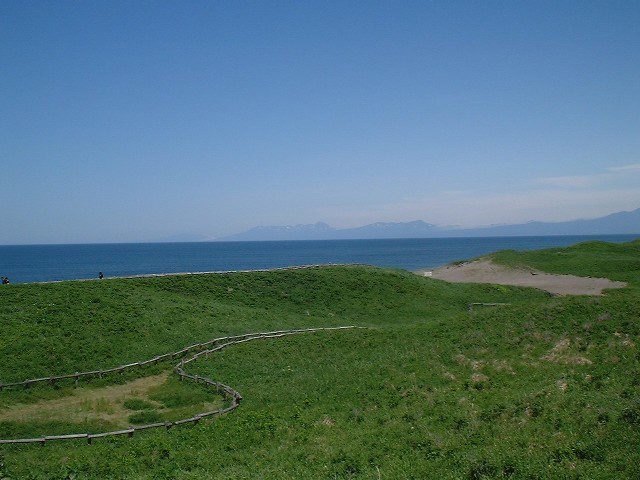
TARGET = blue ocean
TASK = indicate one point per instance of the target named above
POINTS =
(45, 263)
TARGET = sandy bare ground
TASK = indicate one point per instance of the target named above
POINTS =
(86, 404)
(485, 271)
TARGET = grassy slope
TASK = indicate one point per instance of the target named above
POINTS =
(595, 258)
(545, 388)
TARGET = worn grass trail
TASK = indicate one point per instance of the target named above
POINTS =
(87, 404)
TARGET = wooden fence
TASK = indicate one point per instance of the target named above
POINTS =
(197, 350)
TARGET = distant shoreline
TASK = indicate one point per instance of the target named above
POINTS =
(216, 272)
(50, 263)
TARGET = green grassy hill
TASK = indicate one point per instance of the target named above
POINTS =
(546, 387)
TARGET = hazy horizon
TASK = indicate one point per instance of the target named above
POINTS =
(130, 121)
(191, 237)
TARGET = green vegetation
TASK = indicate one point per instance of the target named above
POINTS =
(588, 259)
(145, 417)
(137, 404)
(545, 387)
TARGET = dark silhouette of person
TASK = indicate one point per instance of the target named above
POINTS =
(100, 276)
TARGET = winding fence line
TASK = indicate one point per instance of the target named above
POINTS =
(198, 350)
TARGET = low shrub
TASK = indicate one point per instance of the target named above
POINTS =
(145, 416)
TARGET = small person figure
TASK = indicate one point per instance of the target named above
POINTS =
(5, 280)
(100, 276)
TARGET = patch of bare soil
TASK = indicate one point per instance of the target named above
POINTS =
(485, 271)
(561, 353)
(87, 404)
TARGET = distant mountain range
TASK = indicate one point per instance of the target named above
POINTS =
(616, 223)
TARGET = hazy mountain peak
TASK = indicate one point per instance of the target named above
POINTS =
(615, 223)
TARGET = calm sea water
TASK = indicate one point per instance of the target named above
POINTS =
(43, 263)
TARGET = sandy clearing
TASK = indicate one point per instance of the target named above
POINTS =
(485, 271)
(87, 403)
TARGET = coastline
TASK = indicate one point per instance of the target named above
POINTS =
(45, 263)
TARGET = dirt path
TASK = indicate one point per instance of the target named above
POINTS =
(87, 403)
(485, 271)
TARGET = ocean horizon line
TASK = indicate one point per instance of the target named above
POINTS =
(214, 240)
(60, 262)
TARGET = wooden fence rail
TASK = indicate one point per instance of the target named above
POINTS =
(215, 345)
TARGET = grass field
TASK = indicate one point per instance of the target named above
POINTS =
(545, 387)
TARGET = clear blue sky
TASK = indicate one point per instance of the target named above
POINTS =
(138, 120)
